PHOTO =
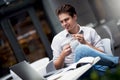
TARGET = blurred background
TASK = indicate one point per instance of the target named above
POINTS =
(27, 27)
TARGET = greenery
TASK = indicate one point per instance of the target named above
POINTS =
(110, 74)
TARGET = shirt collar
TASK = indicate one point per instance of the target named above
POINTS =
(68, 34)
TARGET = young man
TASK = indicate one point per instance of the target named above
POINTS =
(76, 41)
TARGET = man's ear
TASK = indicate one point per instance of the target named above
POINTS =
(75, 16)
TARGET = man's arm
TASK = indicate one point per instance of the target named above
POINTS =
(94, 47)
(81, 39)
(59, 62)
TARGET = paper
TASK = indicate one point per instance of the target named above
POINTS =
(86, 60)
(74, 72)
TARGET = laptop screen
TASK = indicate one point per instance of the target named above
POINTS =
(26, 72)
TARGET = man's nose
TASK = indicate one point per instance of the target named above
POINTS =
(64, 23)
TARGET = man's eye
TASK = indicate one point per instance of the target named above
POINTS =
(61, 21)
(67, 19)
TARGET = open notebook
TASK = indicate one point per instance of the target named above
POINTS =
(72, 72)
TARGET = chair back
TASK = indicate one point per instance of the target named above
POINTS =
(107, 46)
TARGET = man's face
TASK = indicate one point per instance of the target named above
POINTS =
(68, 22)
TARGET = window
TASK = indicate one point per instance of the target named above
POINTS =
(7, 57)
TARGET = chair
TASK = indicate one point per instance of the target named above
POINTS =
(112, 41)
(40, 65)
(50, 67)
(107, 46)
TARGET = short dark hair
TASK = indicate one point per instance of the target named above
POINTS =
(66, 8)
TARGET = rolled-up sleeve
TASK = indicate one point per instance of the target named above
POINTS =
(55, 45)
(96, 40)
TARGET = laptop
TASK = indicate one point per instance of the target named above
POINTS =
(26, 72)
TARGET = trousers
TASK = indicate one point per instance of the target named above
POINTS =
(106, 60)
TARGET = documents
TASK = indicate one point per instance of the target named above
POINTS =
(72, 73)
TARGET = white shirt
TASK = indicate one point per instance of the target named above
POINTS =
(90, 35)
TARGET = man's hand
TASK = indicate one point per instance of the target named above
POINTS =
(80, 38)
(66, 50)
(59, 63)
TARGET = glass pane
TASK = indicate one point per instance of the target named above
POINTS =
(7, 57)
(45, 25)
(27, 36)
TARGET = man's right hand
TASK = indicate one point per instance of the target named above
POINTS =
(66, 50)
(59, 63)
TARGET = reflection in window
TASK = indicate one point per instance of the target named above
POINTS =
(27, 36)
(7, 57)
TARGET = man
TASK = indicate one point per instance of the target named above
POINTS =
(76, 41)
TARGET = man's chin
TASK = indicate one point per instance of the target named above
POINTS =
(68, 30)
